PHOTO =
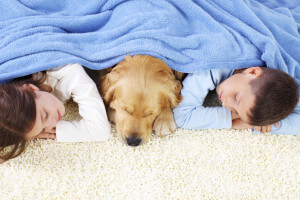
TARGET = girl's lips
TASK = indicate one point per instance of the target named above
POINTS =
(59, 116)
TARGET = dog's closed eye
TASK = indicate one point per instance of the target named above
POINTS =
(128, 110)
(148, 114)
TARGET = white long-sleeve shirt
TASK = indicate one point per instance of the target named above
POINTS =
(71, 81)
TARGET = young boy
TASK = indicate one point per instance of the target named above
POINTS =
(260, 98)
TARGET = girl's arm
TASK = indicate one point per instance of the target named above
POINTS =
(94, 126)
(191, 113)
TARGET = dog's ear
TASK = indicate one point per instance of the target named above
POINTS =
(128, 58)
(179, 75)
(108, 82)
(174, 96)
(108, 85)
(172, 87)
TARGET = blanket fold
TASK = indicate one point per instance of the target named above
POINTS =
(188, 35)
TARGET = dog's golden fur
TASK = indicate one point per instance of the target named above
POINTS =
(140, 93)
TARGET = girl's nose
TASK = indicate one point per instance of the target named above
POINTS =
(50, 129)
(51, 126)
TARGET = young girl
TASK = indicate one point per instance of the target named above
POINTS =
(29, 111)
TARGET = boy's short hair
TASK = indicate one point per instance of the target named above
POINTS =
(276, 96)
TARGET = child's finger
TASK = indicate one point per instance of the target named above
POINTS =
(268, 128)
(258, 128)
(276, 124)
(46, 135)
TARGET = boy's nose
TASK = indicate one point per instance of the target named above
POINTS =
(226, 105)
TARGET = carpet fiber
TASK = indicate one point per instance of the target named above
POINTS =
(206, 164)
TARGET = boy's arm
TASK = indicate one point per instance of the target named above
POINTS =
(94, 125)
(191, 113)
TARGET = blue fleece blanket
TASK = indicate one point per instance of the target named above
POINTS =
(189, 35)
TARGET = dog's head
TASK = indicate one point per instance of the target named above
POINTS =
(136, 92)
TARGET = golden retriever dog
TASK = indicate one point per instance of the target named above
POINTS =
(140, 93)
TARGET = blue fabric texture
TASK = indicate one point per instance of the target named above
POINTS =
(189, 35)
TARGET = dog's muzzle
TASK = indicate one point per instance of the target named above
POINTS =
(133, 141)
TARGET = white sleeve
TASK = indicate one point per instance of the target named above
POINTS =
(94, 126)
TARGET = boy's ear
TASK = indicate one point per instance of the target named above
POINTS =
(31, 86)
(257, 71)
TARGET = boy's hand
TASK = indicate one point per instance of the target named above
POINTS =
(265, 129)
(239, 124)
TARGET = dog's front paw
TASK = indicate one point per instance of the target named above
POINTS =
(164, 124)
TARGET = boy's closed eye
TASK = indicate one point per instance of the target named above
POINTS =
(236, 99)
(45, 116)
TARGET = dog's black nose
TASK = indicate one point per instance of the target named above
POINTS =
(133, 141)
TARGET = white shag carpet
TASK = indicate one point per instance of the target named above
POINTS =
(206, 164)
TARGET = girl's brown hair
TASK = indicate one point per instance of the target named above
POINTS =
(18, 114)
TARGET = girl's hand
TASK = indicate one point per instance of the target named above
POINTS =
(265, 129)
(45, 135)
